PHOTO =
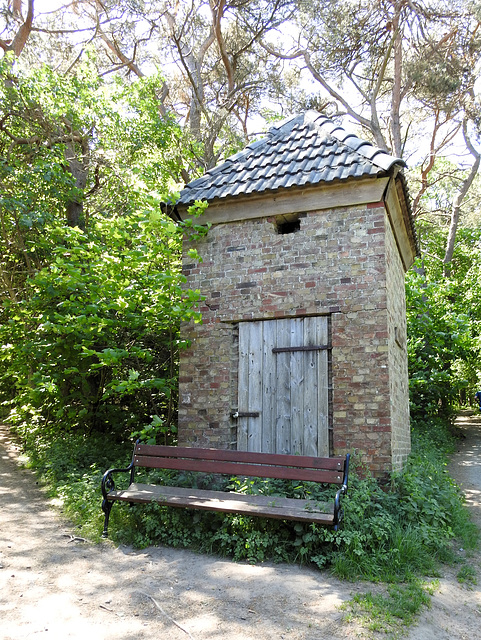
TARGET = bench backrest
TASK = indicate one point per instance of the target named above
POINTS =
(242, 463)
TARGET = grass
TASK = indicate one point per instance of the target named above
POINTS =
(467, 576)
(390, 612)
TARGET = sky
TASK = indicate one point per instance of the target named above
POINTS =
(47, 6)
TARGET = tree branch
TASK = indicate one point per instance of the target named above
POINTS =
(337, 96)
(458, 199)
(19, 40)
(217, 14)
(24, 31)
(187, 59)
(126, 62)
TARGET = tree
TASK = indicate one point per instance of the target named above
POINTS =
(225, 70)
(458, 199)
(444, 309)
(216, 74)
(440, 338)
(71, 135)
(90, 312)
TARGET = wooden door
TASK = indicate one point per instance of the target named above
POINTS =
(283, 398)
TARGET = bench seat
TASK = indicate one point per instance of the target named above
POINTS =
(332, 471)
(229, 502)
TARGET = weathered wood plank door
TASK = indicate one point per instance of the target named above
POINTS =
(283, 397)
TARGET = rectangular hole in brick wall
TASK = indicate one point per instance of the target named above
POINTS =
(288, 223)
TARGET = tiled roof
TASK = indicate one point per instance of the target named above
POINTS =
(305, 150)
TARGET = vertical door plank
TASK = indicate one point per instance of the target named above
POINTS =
(283, 413)
(298, 388)
(323, 387)
(311, 387)
(254, 429)
(243, 385)
(269, 387)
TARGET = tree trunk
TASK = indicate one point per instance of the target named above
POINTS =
(396, 97)
(78, 166)
(457, 202)
(21, 37)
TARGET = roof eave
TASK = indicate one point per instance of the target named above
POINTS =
(179, 211)
(340, 193)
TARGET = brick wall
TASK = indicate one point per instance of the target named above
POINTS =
(335, 264)
(398, 362)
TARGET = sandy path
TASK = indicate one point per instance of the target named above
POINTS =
(455, 613)
(54, 587)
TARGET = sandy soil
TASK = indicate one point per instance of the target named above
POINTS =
(53, 585)
(455, 613)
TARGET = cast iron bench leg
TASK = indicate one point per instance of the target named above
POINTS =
(106, 508)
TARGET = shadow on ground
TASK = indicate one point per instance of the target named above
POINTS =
(55, 586)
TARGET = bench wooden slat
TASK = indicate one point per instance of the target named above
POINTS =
(234, 463)
(241, 469)
(228, 455)
(257, 505)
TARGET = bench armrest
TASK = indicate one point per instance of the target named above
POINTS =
(108, 483)
(338, 513)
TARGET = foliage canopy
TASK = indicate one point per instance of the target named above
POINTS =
(91, 311)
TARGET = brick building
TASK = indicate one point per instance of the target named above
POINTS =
(302, 348)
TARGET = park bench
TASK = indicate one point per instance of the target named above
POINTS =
(234, 463)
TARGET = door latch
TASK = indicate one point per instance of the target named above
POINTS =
(246, 414)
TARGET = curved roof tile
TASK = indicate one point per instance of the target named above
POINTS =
(306, 149)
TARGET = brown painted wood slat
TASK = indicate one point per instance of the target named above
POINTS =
(227, 455)
(256, 505)
(240, 469)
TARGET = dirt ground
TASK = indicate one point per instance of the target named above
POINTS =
(53, 585)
